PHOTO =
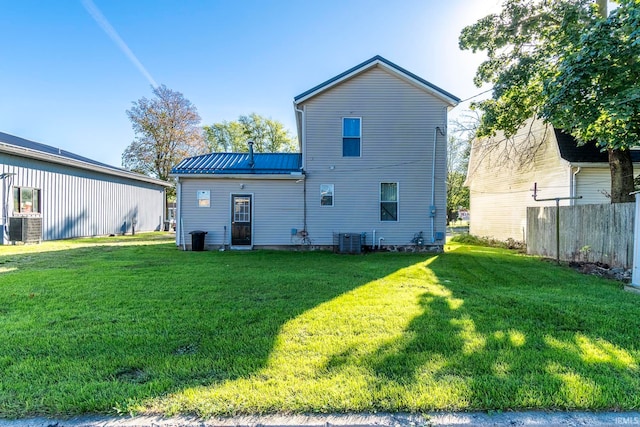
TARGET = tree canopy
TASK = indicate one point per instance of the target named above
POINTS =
(268, 136)
(564, 62)
(167, 130)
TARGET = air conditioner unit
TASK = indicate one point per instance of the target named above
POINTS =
(348, 243)
(25, 229)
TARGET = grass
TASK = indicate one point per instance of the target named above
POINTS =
(134, 325)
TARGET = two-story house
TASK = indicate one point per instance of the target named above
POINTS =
(372, 166)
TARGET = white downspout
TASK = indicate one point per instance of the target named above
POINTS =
(432, 207)
(433, 185)
(303, 149)
(178, 210)
(574, 185)
(303, 134)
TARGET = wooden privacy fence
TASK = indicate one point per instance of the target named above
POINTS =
(591, 233)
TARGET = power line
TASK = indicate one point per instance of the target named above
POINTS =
(475, 96)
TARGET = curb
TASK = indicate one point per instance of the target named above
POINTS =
(533, 418)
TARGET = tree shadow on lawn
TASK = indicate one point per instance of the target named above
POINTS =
(98, 329)
(485, 341)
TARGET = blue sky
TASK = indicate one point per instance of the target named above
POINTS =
(67, 79)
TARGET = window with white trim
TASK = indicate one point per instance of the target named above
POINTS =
(388, 201)
(326, 194)
(204, 198)
(351, 136)
(26, 200)
(242, 209)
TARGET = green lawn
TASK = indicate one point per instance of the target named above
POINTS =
(134, 325)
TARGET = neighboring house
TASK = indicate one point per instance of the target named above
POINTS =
(372, 165)
(503, 173)
(50, 194)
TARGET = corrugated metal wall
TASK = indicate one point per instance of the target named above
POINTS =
(79, 203)
(398, 123)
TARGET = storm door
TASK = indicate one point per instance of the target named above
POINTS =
(241, 220)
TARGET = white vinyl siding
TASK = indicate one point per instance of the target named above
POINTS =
(593, 184)
(277, 208)
(501, 187)
(500, 191)
(398, 123)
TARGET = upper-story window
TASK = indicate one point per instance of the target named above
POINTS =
(26, 200)
(351, 136)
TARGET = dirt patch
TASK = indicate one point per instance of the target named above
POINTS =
(132, 375)
(602, 270)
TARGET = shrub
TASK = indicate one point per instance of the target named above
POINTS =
(510, 243)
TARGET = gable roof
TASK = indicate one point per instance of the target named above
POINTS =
(15, 145)
(239, 164)
(587, 153)
(379, 61)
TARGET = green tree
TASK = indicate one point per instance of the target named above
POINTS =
(457, 194)
(268, 136)
(226, 137)
(167, 130)
(458, 151)
(596, 92)
(564, 62)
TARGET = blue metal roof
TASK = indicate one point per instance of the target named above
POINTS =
(364, 65)
(238, 163)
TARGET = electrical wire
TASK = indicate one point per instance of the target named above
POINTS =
(475, 96)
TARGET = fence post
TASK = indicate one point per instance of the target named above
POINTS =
(557, 200)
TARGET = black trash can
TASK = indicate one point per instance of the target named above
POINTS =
(197, 240)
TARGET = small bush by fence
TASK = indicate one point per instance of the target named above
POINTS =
(590, 233)
(466, 238)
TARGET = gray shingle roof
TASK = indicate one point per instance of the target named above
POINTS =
(47, 149)
(238, 163)
(31, 149)
(587, 153)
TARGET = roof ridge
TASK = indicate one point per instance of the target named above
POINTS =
(32, 149)
(363, 65)
(17, 141)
